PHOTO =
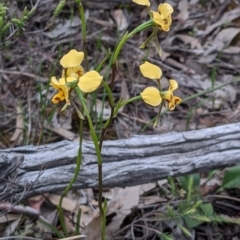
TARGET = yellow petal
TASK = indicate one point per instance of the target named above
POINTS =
(142, 2)
(58, 97)
(173, 85)
(73, 72)
(167, 95)
(171, 106)
(55, 83)
(175, 101)
(151, 96)
(165, 9)
(167, 22)
(90, 81)
(62, 88)
(150, 70)
(157, 19)
(62, 81)
(72, 59)
(163, 24)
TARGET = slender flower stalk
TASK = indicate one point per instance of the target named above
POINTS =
(127, 36)
(84, 33)
(77, 170)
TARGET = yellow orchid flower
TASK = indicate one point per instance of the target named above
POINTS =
(90, 81)
(76, 72)
(175, 101)
(58, 97)
(151, 96)
(72, 59)
(62, 88)
(150, 70)
(169, 97)
(142, 2)
(165, 9)
(163, 17)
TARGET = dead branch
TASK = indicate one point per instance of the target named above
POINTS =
(128, 162)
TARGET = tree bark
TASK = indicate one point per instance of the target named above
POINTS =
(32, 170)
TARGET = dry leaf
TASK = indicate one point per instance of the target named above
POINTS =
(18, 133)
(207, 121)
(62, 30)
(121, 203)
(197, 67)
(194, 2)
(162, 182)
(93, 229)
(208, 59)
(226, 18)
(227, 35)
(37, 201)
(183, 8)
(51, 215)
(146, 188)
(77, 237)
(84, 220)
(210, 186)
(120, 19)
(232, 50)
(194, 42)
(63, 119)
(101, 109)
(10, 229)
(108, 193)
(67, 204)
(177, 64)
(148, 200)
(122, 128)
(164, 55)
(73, 207)
(226, 93)
(62, 132)
(9, 217)
(221, 41)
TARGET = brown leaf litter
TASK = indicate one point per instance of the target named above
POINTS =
(201, 51)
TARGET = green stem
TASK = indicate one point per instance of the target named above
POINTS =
(118, 49)
(130, 100)
(209, 90)
(99, 157)
(126, 36)
(141, 27)
(98, 147)
(100, 65)
(84, 34)
(158, 115)
(94, 137)
(93, 134)
(143, 45)
(52, 227)
(109, 93)
(77, 170)
(100, 174)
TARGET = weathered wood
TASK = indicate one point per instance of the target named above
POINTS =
(140, 159)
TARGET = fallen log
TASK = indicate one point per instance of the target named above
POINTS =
(32, 170)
